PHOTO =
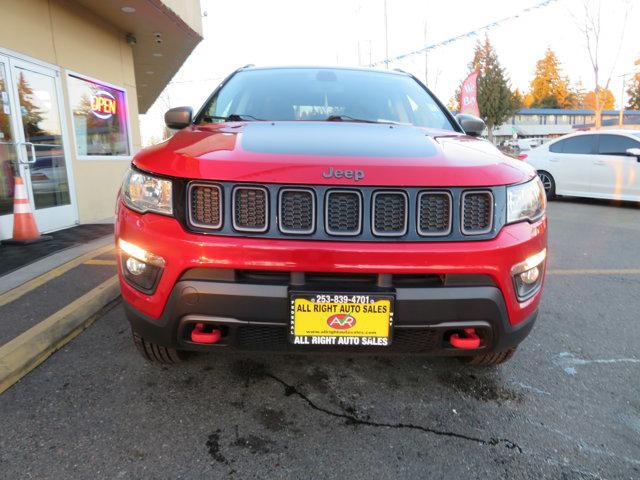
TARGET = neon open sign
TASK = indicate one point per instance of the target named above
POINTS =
(103, 104)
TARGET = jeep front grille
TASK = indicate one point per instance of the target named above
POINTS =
(250, 209)
(347, 214)
(389, 213)
(297, 211)
(343, 212)
(206, 205)
(477, 212)
(434, 213)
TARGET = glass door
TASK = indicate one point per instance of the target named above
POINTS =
(39, 144)
(8, 151)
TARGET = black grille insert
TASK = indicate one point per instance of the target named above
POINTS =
(389, 213)
(250, 209)
(343, 215)
(297, 211)
(477, 212)
(206, 206)
(274, 338)
(434, 213)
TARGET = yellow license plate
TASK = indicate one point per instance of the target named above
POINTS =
(341, 319)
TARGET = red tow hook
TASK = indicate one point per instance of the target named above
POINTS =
(470, 341)
(199, 335)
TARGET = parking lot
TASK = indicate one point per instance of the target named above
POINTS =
(566, 406)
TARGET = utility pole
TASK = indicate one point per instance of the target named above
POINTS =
(621, 115)
(426, 57)
(386, 36)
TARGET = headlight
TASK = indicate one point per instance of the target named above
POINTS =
(526, 201)
(144, 193)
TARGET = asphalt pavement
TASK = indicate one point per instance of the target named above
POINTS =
(566, 406)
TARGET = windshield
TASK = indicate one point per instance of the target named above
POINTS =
(317, 94)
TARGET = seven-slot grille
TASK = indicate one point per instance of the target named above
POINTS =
(434, 213)
(477, 212)
(326, 212)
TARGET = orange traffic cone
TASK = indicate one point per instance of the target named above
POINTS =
(25, 229)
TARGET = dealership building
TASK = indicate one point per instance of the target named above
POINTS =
(74, 74)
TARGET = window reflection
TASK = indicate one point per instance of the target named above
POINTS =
(7, 149)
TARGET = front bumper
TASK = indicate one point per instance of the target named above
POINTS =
(256, 314)
(253, 317)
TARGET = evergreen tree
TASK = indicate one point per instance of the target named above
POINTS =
(495, 99)
(31, 112)
(549, 89)
(518, 99)
(634, 91)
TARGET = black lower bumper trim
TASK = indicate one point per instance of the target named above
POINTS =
(254, 317)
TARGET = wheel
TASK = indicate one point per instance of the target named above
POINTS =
(157, 353)
(549, 184)
(489, 359)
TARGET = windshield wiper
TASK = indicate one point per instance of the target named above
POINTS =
(349, 118)
(234, 117)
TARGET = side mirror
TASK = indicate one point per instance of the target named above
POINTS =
(633, 152)
(179, 117)
(471, 124)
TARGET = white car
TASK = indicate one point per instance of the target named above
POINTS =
(597, 164)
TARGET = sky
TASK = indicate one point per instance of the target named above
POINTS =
(351, 32)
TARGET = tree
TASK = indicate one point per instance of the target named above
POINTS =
(5, 127)
(31, 112)
(607, 100)
(591, 27)
(454, 102)
(577, 96)
(518, 99)
(634, 91)
(495, 99)
(549, 89)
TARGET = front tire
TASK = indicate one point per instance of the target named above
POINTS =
(549, 184)
(157, 353)
(489, 359)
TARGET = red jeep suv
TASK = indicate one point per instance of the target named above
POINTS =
(329, 210)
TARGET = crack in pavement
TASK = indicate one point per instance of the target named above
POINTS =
(290, 390)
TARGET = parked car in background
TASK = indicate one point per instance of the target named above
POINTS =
(603, 164)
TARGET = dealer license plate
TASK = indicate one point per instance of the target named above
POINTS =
(341, 319)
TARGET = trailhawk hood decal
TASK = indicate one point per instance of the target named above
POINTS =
(300, 152)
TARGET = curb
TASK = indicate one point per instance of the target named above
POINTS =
(28, 350)
(12, 287)
(28, 273)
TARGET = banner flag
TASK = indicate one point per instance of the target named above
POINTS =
(468, 95)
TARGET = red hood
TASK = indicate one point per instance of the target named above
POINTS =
(300, 152)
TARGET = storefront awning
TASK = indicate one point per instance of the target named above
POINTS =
(165, 33)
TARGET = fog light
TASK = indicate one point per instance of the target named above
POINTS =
(140, 253)
(135, 266)
(530, 276)
(140, 268)
(527, 275)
